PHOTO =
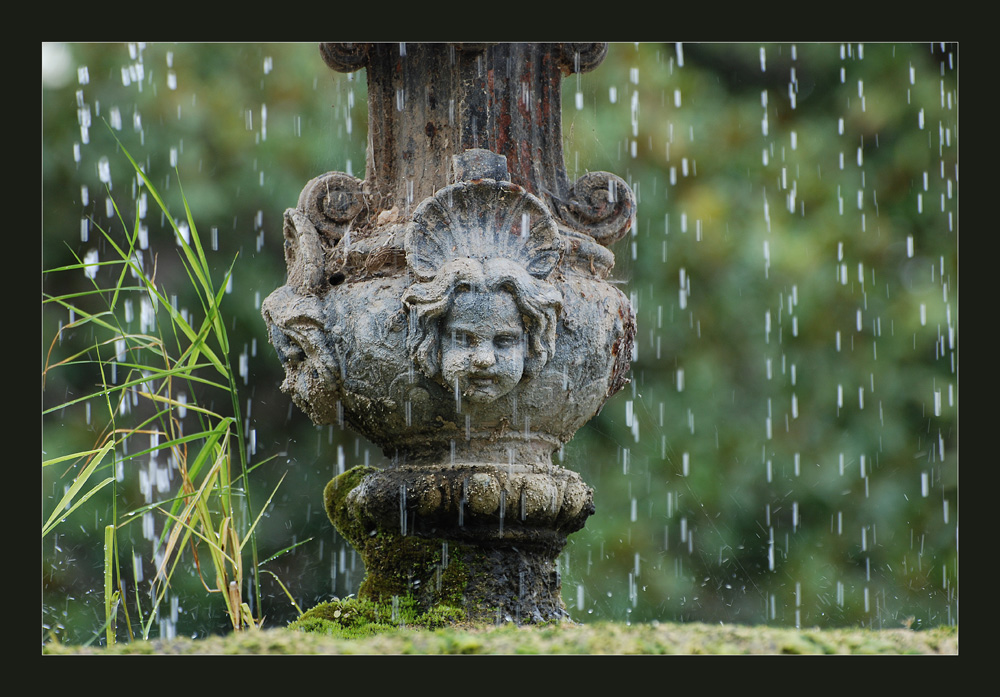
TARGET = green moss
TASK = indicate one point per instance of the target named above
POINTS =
(397, 566)
(798, 644)
(360, 617)
(334, 499)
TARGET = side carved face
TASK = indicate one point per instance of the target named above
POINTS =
(483, 345)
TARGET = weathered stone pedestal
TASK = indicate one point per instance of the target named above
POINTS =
(453, 308)
(457, 540)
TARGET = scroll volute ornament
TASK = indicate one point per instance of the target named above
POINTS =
(328, 207)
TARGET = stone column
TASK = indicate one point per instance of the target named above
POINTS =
(452, 307)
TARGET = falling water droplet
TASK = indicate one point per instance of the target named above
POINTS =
(91, 260)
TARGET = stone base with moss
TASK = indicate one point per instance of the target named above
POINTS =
(489, 572)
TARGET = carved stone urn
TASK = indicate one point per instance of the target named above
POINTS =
(453, 308)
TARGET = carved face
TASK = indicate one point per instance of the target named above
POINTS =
(483, 345)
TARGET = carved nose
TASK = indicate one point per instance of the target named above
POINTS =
(483, 358)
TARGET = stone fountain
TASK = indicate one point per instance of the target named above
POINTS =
(453, 308)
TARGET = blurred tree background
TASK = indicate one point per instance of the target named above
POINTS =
(786, 452)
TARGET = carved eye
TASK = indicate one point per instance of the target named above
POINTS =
(295, 354)
(505, 341)
(288, 349)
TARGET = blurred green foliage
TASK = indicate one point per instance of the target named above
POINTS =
(787, 449)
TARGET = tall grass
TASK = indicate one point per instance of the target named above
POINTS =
(210, 515)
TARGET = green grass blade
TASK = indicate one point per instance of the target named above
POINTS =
(75, 488)
(110, 595)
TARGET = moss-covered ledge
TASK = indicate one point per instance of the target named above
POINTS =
(564, 638)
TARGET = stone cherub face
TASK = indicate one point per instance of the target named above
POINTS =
(483, 345)
(482, 311)
(479, 328)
